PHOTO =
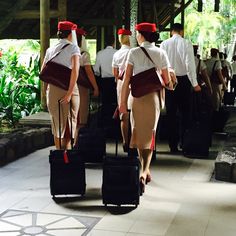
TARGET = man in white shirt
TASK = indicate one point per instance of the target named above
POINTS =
(103, 68)
(181, 57)
(233, 80)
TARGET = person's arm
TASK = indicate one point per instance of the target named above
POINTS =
(73, 78)
(115, 72)
(206, 79)
(191, 67)
(125, 89)
(92, 79)
(220, 76)
(44, 85)
(97, 66)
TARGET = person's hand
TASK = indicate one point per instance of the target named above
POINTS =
(123, 108)
(225, 87)
(172, 76)
(96, 92)
(66, 99)
(197, 88)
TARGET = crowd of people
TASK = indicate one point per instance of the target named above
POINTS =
(177, 66)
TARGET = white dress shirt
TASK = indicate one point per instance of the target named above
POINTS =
(233, 66)
(103, 65)
(181, 56)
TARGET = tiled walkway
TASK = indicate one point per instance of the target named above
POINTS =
(182, 200)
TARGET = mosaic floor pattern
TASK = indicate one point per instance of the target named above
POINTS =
(23, 223)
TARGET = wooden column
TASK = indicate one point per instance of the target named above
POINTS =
(44, 39)
(133, 20)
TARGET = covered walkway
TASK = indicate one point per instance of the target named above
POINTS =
(183, 199)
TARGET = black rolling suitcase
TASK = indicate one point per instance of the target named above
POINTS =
(197, 138)
(229, 98)
(92, 140)
(67, 171)
(120, 183)
(92, 144)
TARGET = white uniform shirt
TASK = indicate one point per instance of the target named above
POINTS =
(233, 66)
(181, 56)
(120, 58)
(64, 58)
(104, 62)
(202, 65)
(85, 59)
(210, 63)
(141, 62)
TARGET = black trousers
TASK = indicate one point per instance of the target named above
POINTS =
(108, 98)
(178, 104)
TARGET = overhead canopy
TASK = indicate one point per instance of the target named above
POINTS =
(20, 19)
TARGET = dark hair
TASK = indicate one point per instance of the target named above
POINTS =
(150, 36)
(225, 55)
(177, 27)
(221, 55)
(62, 34)
(195, 49)
(234, 58)
(110, 40)
(79, 39)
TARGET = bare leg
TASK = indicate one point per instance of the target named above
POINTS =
(146, 157)
(57, 143)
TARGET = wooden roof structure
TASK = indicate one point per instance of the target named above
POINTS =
(20, 19)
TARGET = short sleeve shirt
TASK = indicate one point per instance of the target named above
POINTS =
(120, 57)
(85, 59)
(64, 58)
(210, 63)
(141, 62)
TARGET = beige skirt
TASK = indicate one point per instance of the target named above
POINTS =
(53, 95)
(145, 112)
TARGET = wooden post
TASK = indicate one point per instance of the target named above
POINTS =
(44, 39)
(133, 20)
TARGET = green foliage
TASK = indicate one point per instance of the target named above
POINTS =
(19, 88)
(208, 28)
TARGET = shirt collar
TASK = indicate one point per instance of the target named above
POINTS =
(109, 47)
(65, 41)
(125, 47)
(176, 36)
(146, 43)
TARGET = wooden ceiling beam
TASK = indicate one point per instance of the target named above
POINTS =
(34, 14)
(5, 22)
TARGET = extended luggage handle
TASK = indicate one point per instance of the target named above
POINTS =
(71, 137)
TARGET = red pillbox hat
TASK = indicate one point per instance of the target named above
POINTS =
(148, 27)
(81, 31)
(124, 32)
(66, 25)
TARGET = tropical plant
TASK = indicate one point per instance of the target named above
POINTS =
(19, 88)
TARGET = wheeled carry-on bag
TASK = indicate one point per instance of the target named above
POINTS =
(92, 144)
(67, 170)
(197, 138)
(120, 183)
(91, 140)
